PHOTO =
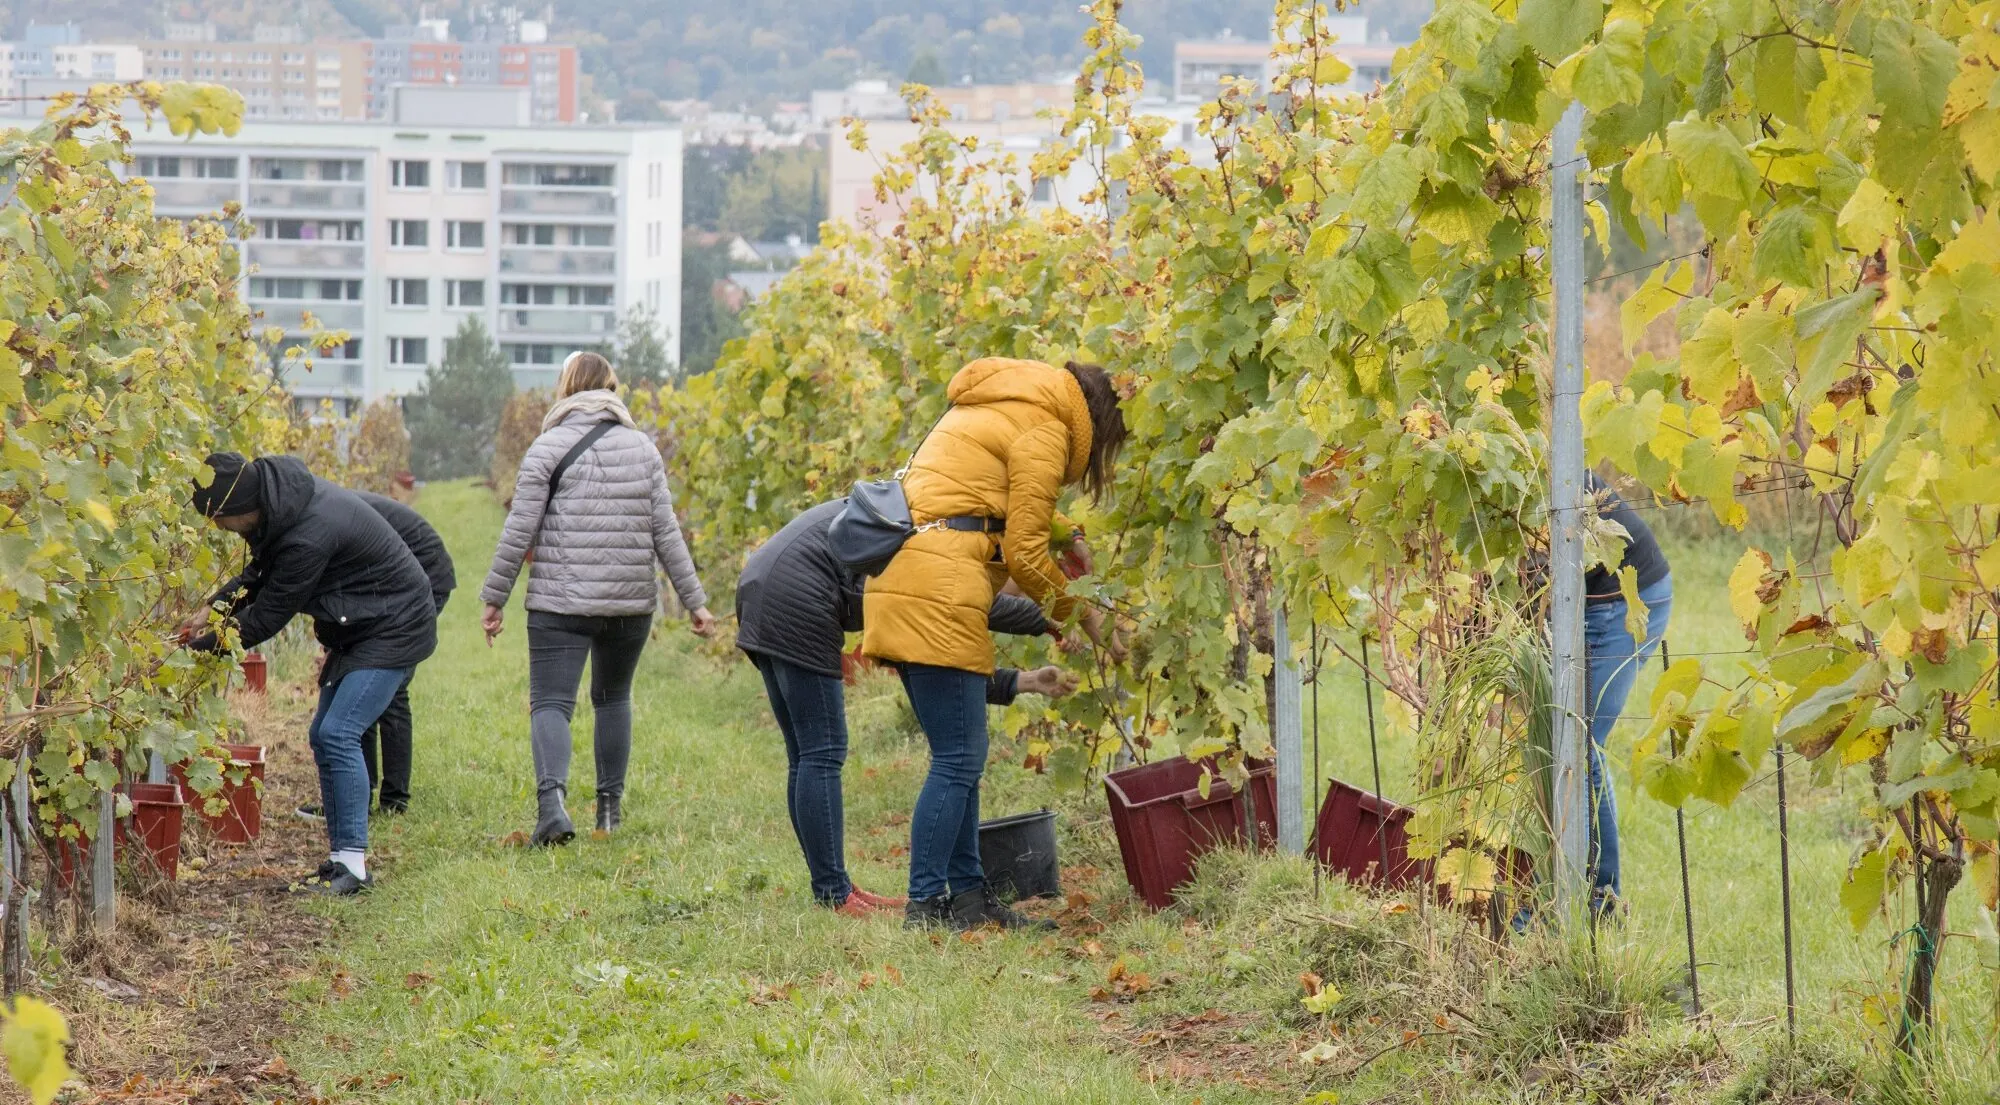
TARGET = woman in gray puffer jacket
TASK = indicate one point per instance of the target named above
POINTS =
(595, 537)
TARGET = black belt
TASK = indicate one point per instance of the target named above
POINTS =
(970, 524)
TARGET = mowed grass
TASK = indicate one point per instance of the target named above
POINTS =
(682, 959)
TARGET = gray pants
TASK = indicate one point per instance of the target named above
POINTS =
(558, 644)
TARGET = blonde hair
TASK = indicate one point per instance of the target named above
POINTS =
(585, 371)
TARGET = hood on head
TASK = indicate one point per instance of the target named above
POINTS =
(1004, 379)
(288, 489)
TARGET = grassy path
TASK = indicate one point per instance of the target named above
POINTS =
(682, 960)
(657, 965)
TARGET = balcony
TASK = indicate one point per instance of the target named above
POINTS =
(551, 261)
(331, 315)
(567, 201)
(585, 321)
(310, 256)
(201, 195)
(289, 196)
(325, 378)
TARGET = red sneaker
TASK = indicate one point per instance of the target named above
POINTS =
(876, 900)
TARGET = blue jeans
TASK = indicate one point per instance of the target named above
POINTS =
(812, 714)
(1612, 662)
(944, 831)
(347, 709)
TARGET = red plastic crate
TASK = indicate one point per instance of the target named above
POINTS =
(1357, 829)
(1164, 824)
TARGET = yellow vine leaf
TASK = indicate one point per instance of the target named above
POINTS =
(33, 1040)
(1744, 580)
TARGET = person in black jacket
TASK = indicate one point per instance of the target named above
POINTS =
(318, 549)
(794, 607)
(396, 728)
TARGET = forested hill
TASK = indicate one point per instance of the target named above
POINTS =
(752, 52)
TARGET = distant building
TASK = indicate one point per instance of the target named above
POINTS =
(967, 103)
(319, 81)
(282, 76)
(1201, 68)
(52, 58)
(395, 230)
(548, 71)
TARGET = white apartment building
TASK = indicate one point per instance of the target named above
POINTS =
(396, 231)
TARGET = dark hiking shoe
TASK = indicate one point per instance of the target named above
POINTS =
(392, 807)
(552, 823)
(929, 913)
(342, 885)
(310, 812)
(609, 816)
(323, 873)
(971, 909)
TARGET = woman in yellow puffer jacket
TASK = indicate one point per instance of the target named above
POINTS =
(1017, 433)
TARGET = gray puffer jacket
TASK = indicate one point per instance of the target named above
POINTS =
(596, 544)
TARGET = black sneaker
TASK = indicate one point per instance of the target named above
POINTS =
(325, 872)
(310, 812)
(342, 885)
(971, 909)
(392, 807)
(929, 913)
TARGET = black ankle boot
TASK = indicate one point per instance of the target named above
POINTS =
(552, 824)
(971, 909)
(608, 813)
(929, 913)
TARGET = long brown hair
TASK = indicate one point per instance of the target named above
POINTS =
(1107, 427)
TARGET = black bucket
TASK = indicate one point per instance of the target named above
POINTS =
(1019, 855)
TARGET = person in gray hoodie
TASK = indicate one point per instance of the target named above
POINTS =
(592, 506)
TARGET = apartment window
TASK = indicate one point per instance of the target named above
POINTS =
(465, 234)
(521, 354)
(468, 176)
(292, 287)
(261, 57)
(349, 350)
(409, 293)
(465, 293)
(555, 295)
(558, 176)
(310, 230)
(408, 351)
(410, 233)
(410, 174)
(295, 57)
(529, 234)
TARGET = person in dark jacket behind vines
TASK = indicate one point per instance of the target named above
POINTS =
(794, 607)
(396, 728)
(318, 549)
(1612, 661)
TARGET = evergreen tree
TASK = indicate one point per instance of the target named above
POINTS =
(640, 351)
(456, 411)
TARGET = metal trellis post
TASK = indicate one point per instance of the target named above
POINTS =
(1287, 737)
(1571, 784)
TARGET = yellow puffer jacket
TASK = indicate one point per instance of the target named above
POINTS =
(1016, 434)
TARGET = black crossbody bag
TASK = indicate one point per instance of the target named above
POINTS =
(875, 524)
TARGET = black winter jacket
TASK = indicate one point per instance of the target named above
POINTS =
(320, 550)
(1642, 550)
(423, 541)
(794, 602)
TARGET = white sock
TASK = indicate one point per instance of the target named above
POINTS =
(354, 860)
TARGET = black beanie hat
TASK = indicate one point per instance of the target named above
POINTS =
(236, 489)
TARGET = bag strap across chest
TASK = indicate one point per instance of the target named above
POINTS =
(582, 445)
